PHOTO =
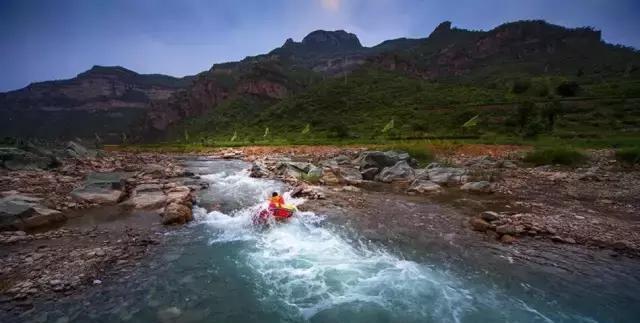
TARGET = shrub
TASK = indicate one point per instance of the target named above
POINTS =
(629, 155)
(555, 155)
(520, 86)
(568, 89)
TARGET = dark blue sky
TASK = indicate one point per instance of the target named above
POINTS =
(44, 40)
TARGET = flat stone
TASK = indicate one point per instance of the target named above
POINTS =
(152, 200)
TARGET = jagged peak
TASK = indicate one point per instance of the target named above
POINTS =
(442, 28)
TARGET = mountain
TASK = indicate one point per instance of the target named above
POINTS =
(329, 81)
(103, 101)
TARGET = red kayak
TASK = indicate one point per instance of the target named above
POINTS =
(278, 214)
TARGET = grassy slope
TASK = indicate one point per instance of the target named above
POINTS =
(358, 108)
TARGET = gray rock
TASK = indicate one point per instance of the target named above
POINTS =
(370, 173)
(18, 159)
(24, 212)
(478, 187)
(258, 170)
(380, 160)
(76, 150)
(102, 188)
(400, 172)
(424, 186)
(341, 175)
(146, 200)
(447, 175)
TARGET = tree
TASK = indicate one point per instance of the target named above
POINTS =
(550, 113)
(388, 126)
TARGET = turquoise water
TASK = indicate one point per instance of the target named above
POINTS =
(222, 269)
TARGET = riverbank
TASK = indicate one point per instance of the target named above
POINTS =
(476, 197)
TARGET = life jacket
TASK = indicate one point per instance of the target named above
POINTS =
(276, 202)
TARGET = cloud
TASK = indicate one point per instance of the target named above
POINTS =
(331, 5)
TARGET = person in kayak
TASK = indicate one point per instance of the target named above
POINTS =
(276, 201)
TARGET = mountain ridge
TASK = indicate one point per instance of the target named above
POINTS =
(502, 55)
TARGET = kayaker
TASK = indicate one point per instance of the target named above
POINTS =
(276, 200)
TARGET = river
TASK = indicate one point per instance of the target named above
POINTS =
(222, 269)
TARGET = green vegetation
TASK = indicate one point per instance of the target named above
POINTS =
(555, 156)
(629, 155)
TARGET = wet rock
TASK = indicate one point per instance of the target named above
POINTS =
(289, 169)
(478, 187)
(478, 224)
(180, 194)
(169, 315)
(175, 213)
(400, 172)
(424, 186)
(259, 170)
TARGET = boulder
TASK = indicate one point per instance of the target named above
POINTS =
(295, 169)
(146, 200)
(258, 170)
(341, 175)
(102, 188)
(369, 174)
(447, 175)
(18, 159)
(380, 160)
(176, 213)
(24, 212)
(478, 187)
(180, 194)
(78, 151)
(400, 172)
(479, 224)
(424, 186)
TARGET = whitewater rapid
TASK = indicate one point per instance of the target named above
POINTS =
(311, 269)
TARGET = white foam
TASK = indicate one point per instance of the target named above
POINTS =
(311, 268)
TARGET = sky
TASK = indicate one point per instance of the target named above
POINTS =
(46, 40)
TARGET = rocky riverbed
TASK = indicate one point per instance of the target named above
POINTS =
(50, 246)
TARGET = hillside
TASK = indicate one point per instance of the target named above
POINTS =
(103, 101)
(520, 79)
